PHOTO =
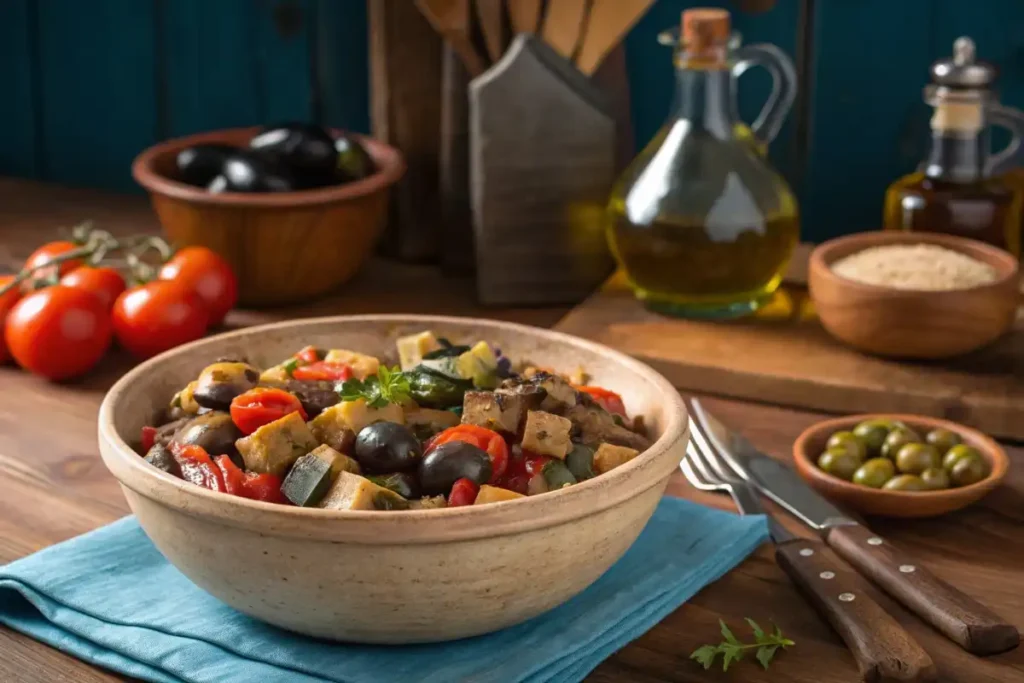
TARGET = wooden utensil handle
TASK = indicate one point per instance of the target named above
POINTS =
(958, 616)
(882, 649)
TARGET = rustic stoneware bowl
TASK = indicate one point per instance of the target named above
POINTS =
(394, 577)
(811, 443)
(283, 246)
(902, 323)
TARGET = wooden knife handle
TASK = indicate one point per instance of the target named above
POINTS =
(882, 649)
(958, 616)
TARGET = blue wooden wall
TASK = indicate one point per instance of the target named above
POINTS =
(84, 86)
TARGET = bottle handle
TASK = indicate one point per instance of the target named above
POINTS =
(1013, 120)
(769, 121)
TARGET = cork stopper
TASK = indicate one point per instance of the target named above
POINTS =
(705, 28)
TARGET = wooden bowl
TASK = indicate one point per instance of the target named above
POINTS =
(394, 577)
(903, 323)
(811, 443)
(285, 247)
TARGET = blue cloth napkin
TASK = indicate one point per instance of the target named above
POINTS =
(108, 597)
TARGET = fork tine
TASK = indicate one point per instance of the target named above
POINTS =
(695, 455)
(693, 477)
(716, 467)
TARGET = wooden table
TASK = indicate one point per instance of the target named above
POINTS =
(53, 486)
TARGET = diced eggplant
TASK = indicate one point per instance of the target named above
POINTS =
(542, 391)
(609, 456)
(501, 412)
(596, 425)
(580, 462)
(219, 383)
(353, 492)
(547, 434)
(353, 416)
(161, 458)
(362, 365)
(185, 399)
(165, 432)
(308, 481)
(274, 447)
(427, 421)
(495, 494)
(338, 462)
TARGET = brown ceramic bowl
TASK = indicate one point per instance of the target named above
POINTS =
(394, 577)
(284, 246)
(811, 443)
(903, 323)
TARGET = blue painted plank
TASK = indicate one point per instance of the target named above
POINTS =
(868, 120)
(283, 59)
(97, 89)
(652, 73)
(17, 115)
(341, 51)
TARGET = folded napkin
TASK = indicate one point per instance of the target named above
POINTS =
(108, 597)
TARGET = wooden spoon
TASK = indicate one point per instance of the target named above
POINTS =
(492, 22)
(451, 18)
(564, 25)
(610, 21)
(525, 15)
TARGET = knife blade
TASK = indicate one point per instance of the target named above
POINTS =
(953, 613)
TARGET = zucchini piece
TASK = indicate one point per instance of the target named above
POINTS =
(446, 367)
(402, 483)
(580, 462)
(495, 494)
(557, 475)
(308, 481)
(411, 349)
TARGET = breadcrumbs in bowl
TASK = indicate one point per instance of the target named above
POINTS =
(926, 267)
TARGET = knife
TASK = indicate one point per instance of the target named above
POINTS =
(956, 615)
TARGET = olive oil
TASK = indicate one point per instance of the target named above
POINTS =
(700, 223)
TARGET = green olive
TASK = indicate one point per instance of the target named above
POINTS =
(906, 482)
(849, 443)
(935, 478)
(915, 458)
(942, 439)
(968, 471)
(873, 433)
(897, 439)
(838, 462)
(874, 473)
(958, 453)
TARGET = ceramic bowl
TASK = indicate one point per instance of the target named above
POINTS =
(901, 323)
(394, 577)
(811, 443)
(284, 246)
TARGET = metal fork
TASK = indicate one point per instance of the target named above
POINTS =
(882, 649)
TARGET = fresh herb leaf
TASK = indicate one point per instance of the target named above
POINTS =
(388, 386)
(731, 649)
(290, 365)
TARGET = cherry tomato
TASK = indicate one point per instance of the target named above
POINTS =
(43, 254)
(309, 354)
(534, 463)
(148, 438)
(482, 438)
(262, 405)
(207, 274)
(322, 370)
(608, 400)
(106, 283)
(237, 482)
(7, 301)
(463, 493)
(158, 316)
(58, 332)
(197, 467)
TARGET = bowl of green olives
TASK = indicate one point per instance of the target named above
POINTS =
(899, 465)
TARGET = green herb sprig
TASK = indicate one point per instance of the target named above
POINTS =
(732, 650)
(387, 386)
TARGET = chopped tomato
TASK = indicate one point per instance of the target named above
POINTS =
(534, 463)
(263, 405)
(481, 437)
(148, 437)
(463, 493)
(310, 354)
(608, 400)
(197, 467)
(322, 370)
(238, 482)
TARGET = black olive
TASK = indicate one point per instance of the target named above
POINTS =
(219, 383)
(450, 462)
(315, 396)
(247, 172)
(161, 458)
(353, 161)
(402, 483)
(305, 149)
(384, 447)
(214, 432)
(218, 185)
(200, 164)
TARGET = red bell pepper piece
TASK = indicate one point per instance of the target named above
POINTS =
(148, 438)
(262, 405)
(309, 354)
(608, 400)
(463, 493)
(237, 482)
(323, 371)
(198, 468)
(481, 437)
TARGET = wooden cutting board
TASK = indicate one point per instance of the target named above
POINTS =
(785, 357)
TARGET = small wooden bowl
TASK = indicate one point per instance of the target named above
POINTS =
(284, 246)
(902, 323)
(811, 443)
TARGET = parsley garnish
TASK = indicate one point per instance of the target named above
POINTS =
(387, 386)
(290, 365)
(732, 649)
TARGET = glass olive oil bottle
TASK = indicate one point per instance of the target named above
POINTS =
(700, 223)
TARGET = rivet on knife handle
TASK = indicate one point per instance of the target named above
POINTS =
(882, 649)
(958, 616)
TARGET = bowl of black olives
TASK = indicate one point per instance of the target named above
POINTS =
(295, 208)
(899, 465)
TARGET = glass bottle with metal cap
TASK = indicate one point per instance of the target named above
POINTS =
(960, 189)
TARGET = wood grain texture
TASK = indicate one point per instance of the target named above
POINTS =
(960, 617)
(525, 15)
(883, 650)
(564, 25)
(609, 22)
(52, 487)
(451, 19)
(492, 23)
